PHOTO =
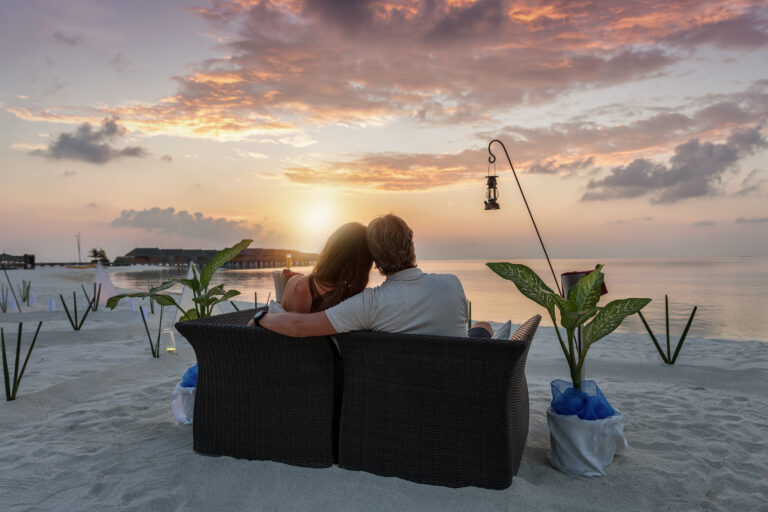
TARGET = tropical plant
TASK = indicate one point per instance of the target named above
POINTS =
(12, 386)
(98, 255)
(76, 323)
(575, 310)
(155, 348)
(204, 298)
(669, 357)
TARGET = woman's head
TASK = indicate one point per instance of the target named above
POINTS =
(344, 263)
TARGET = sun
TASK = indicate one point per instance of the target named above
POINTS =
(317, 221)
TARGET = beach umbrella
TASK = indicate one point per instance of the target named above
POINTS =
(101, 278)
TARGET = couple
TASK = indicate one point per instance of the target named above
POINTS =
(334, 298)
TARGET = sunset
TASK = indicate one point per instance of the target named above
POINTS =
(359, 236)
(638, 128)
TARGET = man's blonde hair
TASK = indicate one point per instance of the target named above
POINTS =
(390, 241)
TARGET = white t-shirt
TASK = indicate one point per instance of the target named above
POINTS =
(409, 301)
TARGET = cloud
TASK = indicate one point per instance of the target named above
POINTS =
(191, 225)
(68, 39)
(752, 184)
(89, 145)
(703, 223)
(120, 62)
(69, 173)
(391, 171)
(92, 205)
(752, 220)
(250, 154)
(564, 148)
(554, 167)
(693, 171)
(166, 158)
(287, 63)
(746, 31)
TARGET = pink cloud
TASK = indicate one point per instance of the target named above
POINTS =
(292, 62)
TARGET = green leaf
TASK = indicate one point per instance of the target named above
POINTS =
(220, 259)
(218, 290)
(229, 295)
(527, 282)
(113, 301)
(164, 300)
(192, 284)
(580, 294)
(573, 319)
(191, 314)
(168, 284)
(562, 304)
(610, 317)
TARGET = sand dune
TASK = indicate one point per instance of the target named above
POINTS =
(92, 430)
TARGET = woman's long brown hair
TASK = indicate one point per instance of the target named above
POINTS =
(344, 264)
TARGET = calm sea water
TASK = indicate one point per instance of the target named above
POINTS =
(731, 293)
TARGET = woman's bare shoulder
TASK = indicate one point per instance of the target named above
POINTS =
(296, 297)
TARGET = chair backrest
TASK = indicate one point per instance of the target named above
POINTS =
(433, 409)
(261, 395)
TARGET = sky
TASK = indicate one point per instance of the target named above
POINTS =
(636, 128)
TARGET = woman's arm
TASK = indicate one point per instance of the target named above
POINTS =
(296, 297)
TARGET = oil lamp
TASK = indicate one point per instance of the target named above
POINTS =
(492, 194)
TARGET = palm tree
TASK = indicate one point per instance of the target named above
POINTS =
(98, 255)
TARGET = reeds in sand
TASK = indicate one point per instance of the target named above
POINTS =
(24, 291)
(3, 298)
(10, 286)
(256, 299)
(12, 386)
(669, 357)
(76, 323)
(96, 296)
(154, 347)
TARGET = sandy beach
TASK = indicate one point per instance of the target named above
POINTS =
(92, 429)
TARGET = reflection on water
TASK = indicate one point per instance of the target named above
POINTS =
(732, 293)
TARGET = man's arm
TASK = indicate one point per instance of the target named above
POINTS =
(298, 325)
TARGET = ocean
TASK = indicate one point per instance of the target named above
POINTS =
(731, 293)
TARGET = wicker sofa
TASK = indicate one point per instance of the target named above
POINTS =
(431, 409)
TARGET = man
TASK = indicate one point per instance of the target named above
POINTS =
(409, 301)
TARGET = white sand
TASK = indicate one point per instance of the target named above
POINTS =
(92, 429)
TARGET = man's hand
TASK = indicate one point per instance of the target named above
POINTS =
(298, 325)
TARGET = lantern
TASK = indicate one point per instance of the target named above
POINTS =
(492, 194)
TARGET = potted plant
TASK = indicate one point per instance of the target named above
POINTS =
(205, 298)
(585, 431)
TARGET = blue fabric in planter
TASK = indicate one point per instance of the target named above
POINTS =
(190, 378)
(588, 403)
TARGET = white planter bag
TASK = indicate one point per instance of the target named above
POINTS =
(584, 447)
(183, 404)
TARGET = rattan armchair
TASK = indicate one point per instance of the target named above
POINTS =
(261, 395)
(436, 410)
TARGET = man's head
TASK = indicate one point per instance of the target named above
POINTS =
(390, 241)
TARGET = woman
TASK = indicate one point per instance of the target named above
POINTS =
(341, 271)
